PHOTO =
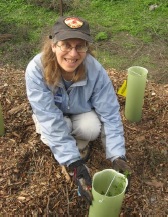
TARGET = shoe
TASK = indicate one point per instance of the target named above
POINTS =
(85, 153)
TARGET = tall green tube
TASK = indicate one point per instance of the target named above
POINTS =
(2, 130)
(136, 83)
(108, 189)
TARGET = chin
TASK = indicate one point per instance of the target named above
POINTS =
(69, 70)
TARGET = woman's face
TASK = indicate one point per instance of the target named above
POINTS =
(68, 53)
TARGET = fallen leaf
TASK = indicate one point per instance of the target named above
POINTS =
(155, 183)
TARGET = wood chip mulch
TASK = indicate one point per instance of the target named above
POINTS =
(33, 183)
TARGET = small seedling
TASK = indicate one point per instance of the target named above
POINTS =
(127, 173)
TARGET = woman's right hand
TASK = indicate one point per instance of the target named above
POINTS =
(82, 179)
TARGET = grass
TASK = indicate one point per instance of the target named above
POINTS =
(106, 59)
(109, 20)
(25, 23)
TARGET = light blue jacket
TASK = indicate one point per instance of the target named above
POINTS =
(51, 104)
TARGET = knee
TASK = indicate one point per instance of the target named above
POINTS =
(88, 127)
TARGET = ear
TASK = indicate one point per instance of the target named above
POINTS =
(53, 47)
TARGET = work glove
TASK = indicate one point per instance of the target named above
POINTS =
(82, 179)
(122, 166)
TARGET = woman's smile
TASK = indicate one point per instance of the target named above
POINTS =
(70, 61)
(67, 55)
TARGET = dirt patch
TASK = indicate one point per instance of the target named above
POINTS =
(32, 182)
(130, 51)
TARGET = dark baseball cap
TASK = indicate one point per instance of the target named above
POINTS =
(71, 27)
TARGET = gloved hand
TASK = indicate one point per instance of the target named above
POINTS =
(122, 166)
(82, 179)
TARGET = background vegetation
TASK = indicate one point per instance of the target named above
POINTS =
(126, 32)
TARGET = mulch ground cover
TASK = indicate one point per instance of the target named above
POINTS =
(33, 183)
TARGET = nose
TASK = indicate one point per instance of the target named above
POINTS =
(73, 52)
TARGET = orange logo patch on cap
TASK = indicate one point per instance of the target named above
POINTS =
(73, 22)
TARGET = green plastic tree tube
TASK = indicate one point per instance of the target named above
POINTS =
(108, 189)
(2, 130)
(136, 83)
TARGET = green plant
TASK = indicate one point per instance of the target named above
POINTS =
(101, 36)
(127, 173)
